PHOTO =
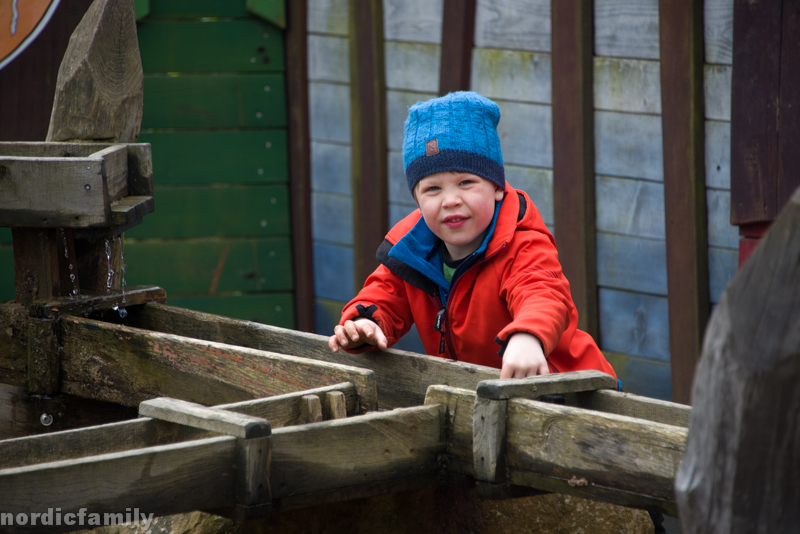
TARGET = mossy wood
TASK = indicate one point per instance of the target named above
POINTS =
(136, 364)
(402, 377)
(552, 384)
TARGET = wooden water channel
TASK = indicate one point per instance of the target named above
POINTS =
(238, 418)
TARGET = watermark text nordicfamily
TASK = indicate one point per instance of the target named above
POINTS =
(80, 518)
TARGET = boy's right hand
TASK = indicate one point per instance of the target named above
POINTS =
(356, 333)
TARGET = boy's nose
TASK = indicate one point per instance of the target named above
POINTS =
(452, 199)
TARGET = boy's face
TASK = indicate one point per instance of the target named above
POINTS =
(458, 208)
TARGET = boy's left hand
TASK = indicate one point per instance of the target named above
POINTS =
(523, 357)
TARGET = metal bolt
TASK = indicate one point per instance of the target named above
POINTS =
(268, 144)
(266, 88)
(258, 114)
(46, 419)
(88, 167)
(252, 60)
(87, 187)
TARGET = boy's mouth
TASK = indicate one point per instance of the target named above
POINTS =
(454, 221)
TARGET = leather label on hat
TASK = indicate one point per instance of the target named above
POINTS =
(432, 147)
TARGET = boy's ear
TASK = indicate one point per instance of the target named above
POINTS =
(498, 193)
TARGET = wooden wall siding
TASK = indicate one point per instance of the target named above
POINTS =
(632, 263)
(634, 207)
(718, 31)
(215, 113)
(718, 155)
(513, 25)
(718, 92)
(331, 159)
(648, 377)
(626, 28)
(417, 21)
(631, 85)
(412, 66)
(516, 75)
(628, 145)
(526, 134)
(635, 324)
(538, 183)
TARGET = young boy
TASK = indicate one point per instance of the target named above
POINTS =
(475, 267)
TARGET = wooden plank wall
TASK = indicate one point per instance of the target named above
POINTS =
(331, 162)
(215, 113)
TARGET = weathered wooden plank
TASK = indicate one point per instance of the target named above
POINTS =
(152, 364)
(215, 101)
(457, 37)
(130, 210)
(631, 85)
(182, 157)
(323, 456)
(717, 88)
(628, 144)
(718, 31)
(13, 337)
(538, 183)
(459, 411)
(91, 302)
(681, 30)
(328, 16)
(788, 179)
(413, 20)
(43, 356)
(718, 154)
(640, 407)
(40, 264)
(755, 96)
(236, 210)
(630, 207)
(513, 24)
(525, 132)
(115, 168)
(329, 224)
(512, 75)
(162, 480)
(368, 134)
(721, 233)
(253, 464)
(602, 456)
(552, 384)
(336, 408)
(723, 263)
(211, 419)
(626, 29)
(489, 439)
(739, 470)
(631, 263)
(403, 377)
(310, 409)
(329, 109)
(92, 101)
(328, 59)
(642, 376)
(53, 192)
(270, 308)
(397, 104)
(412, 66)
(330, 168)
(245, 45)
(331, 261)
(634, 323)
(573, 155)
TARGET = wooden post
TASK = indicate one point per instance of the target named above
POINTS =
(682, 119)
(300, 163)
(573, 155)
(311, 409)
(458, 30)
(740, 470)
(369, 142)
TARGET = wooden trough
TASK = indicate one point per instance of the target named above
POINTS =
(238, 418)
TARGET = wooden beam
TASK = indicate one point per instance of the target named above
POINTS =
(369, 136)
(95, 364)
(376, 447)
(740, 465)
(458, 30)
(460, 410)
(336, 407)
(403, 377)
(43, 356)
(311, 409)
(489, 439)
(599, 456)
(682, 120)
(160, 480)
(788, 179)
(89, 302)
(616, 402)
(211, 419)
(573, 155)
(300, 162)
(552, 384)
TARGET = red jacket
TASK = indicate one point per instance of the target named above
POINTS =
(512, 284)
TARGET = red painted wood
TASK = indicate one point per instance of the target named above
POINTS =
(300, 162)
(746, 247)
(754, 113)
(458, 30)
(682, 120)
(369, 143)
(573, 154)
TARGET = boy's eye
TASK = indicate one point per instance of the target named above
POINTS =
(468, 181)
(431, 188)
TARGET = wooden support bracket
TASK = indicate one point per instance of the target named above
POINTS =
(553, 384)
(489, 439)
(44, 359)
(336, 407)
(311, 409)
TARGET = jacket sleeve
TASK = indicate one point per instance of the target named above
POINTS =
(535, 290)
(383, 299)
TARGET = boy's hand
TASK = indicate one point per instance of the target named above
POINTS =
(523, 357)
(356, 333)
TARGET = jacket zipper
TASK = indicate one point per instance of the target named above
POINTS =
(443, 321)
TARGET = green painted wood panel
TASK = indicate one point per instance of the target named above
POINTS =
(210, 266)
(270, 308)
(6, 273)
(247, 156)
(214, 101)
(249, 45)
(5, 235)
(197, 8)
(234, 211)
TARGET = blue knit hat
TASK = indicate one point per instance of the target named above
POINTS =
(455, 132)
